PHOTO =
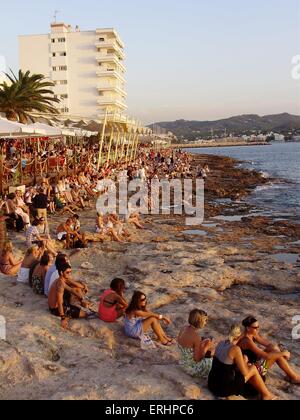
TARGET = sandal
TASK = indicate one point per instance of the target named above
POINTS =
(167, 344)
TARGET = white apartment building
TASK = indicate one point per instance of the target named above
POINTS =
(86, 66)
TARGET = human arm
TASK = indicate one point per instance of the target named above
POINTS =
(237, 357)
(262, 341)
(201, 347)
(13, 261)
(261, 354)
(147, 314)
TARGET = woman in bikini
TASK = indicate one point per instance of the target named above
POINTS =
(9, 265)
(264, 354)
(113, 303)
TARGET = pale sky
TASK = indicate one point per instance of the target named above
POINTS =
(191, 59)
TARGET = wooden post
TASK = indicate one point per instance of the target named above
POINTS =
(21, 164)
(133, 146)
(136, 146)
(117, 145)
(34, 167)
(74, 158)
(128, 147)
(110, 143)
(123, 144)
(1, 170)
(102, 140)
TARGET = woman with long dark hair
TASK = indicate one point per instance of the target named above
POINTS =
(264, 354)
(39, 273)
(113, 303)
(139, 320)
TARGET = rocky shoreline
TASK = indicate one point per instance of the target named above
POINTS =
(229, 268)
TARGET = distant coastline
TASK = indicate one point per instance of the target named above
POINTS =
(218, 144)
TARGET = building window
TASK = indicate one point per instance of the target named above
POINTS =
(53, 41)
(101, 39)
(53, 54)
(64, 110)
(54, 68)
(63, 54)
(63, 68)
(61, 39)
(101, 93)
(60, 82)
(64, 96)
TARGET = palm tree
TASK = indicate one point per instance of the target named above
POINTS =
(26, 94)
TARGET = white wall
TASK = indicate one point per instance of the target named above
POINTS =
(34, 54)
(82, 76)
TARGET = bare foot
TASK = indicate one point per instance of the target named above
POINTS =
(294, 381)
(270, 397)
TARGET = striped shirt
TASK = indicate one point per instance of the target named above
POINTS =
(32, 234)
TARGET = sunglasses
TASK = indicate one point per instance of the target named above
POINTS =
(144, 299)
(255, 328)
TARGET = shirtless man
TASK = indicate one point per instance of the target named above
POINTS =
(66, 232)
(64, 294)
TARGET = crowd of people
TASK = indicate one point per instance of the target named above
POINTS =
(238, 365)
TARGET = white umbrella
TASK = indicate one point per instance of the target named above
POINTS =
(44, 129)
(68, 132)
(10, 127)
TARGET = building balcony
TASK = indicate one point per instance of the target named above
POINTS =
(110, 73)
(112, 45)
(110, 31)
(110, 58)
(110, 102)
(108, 88)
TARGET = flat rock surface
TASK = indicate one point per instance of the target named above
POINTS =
(230, 274)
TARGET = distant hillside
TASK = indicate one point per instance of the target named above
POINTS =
(243, 124)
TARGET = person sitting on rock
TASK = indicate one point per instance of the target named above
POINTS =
(39, 273)
(52, 273)
(66, 233)
(60, 298)
(113, 303)
(193, 349)
(264, 358)
(31, 258)
(9, 265)
(231, 372)
(138, 320)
